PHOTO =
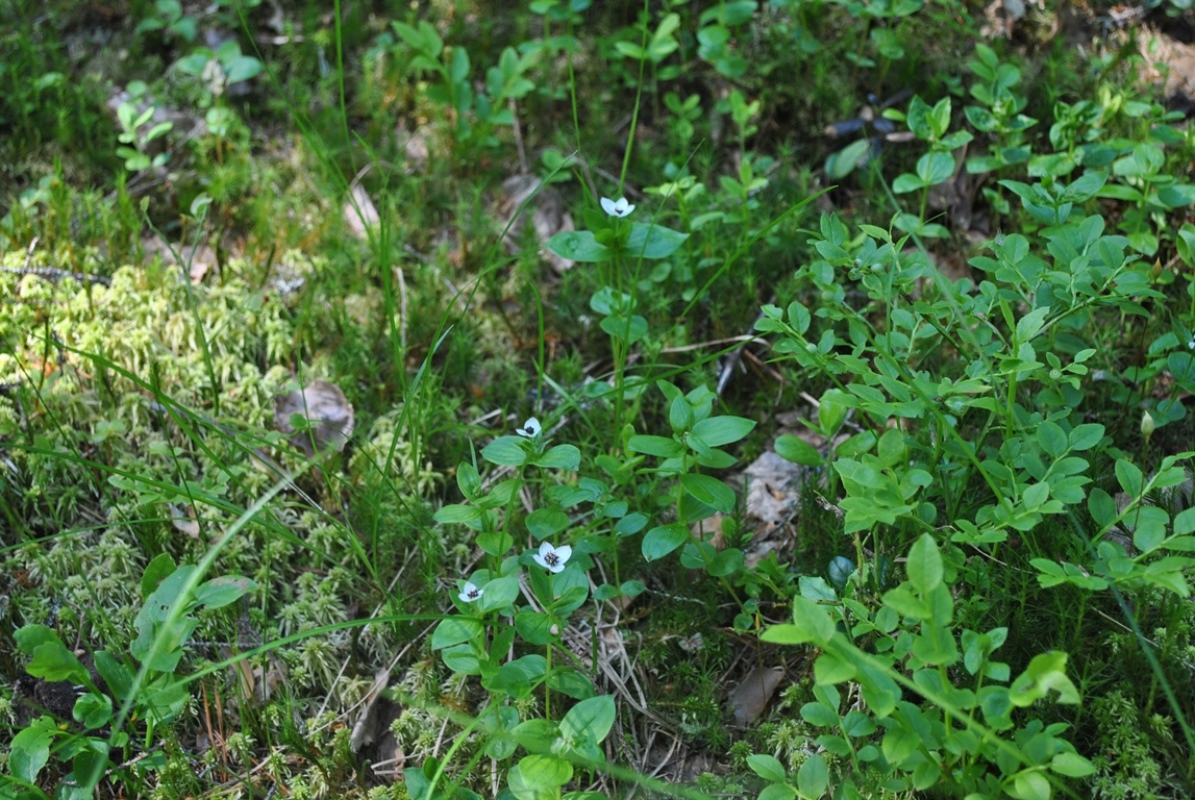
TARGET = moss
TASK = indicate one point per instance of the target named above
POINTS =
(132, 407)
(1125, 766)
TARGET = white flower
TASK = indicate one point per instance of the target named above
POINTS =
(617, 208)
(552, 558)
(530, 429)
(470, 593)
(1191, 344)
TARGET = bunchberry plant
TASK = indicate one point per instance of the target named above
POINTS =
(523, 601)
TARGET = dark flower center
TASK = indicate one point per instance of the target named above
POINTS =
(552, 559)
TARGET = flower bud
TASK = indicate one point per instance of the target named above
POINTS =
(1147, 424)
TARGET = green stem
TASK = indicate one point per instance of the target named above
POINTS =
(547, 689)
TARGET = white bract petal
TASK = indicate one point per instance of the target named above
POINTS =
(530, 429)
(552, 558)
(470, 593)
(617, 208)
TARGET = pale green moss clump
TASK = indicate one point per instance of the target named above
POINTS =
(138, 418)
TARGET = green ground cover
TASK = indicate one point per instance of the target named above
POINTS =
(570, 399)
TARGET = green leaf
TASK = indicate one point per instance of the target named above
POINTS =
(579, 246)
(727, 562)
(900, 742)
(1031, 324)
(536, 627)
(1052, 439)
(462, 659)
(1030, 784)
(917, 118)
(650, 240)
(858, 724)
(813, 777)
(710, 491)
(30, 749)
(562, 456)
(718, 431)
(589, 721)
(626, 330)
(924, 565)
(879, 690)
(798, 451)
(1130, 477)
(1046, 672)
(515, 677)
(507, 451)
(457, 514)
(663, 539)
(459, 70)
(456, 630)
(571, 682)
(30, 637)
(934, 167)
(659, 446)
(819, 715)
(539, 777)
(93, 710)
(905, 602)
(545, 522)
(88, 765)
(680, 414)
(767, 767)
(1102, 507)
(536, 735)
(1184, 523)
(811, 623)
(115, 674)
(1072, 765)
(498, 593)
(156, 571)
(631, 50)
(495, 543)
(1149, 527)
(219, 592)
(242, 68)
(1036, 495)
(778, 791)
(53, 662)
(846, 160)
(907, 182)
(830, 669)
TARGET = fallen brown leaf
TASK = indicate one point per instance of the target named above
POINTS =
(328, 412)
(359, 212)
(749, 699)
(184, 521)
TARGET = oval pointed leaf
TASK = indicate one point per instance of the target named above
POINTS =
(798, 451)
(717, 431)
(710, 491)
(589, 720)
(663, 539)
(653, 241)
(658, 446)
(924, 566)
(562, 456)
(506, 451)
(579, 246)
(544, 522)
